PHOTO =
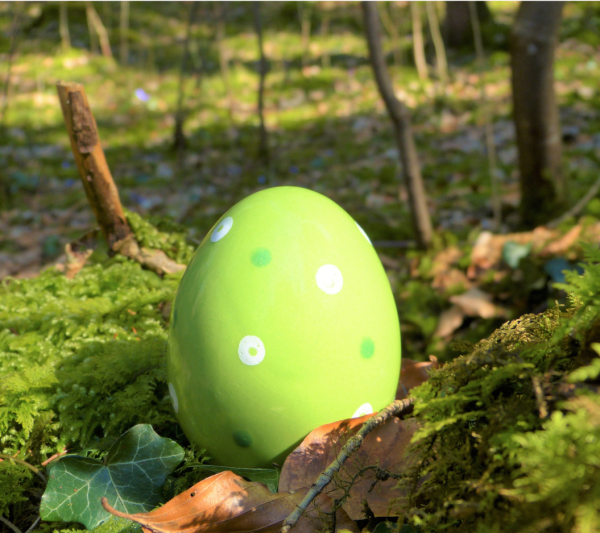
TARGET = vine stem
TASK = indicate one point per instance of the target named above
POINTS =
(396, 408)
(10, 524)
(25, 464)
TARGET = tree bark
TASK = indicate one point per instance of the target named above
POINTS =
(438, 42)
(263, 146)
(418, 44)
(532, 44)
(457, 25)
(65, 37)
(123, 31)
(400, 119)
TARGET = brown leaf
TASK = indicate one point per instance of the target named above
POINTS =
(562, 245)
(226, 502)
(450, 280)
(413, 374)
(475, 302)
(385, 447)
(450, 320)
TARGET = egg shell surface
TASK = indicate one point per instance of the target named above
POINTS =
(283, 321)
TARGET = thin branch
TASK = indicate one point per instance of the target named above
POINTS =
(418, 46)
(25, 464)
(396, 408)
(577, 208)
(34, 525)
(55, 456)
(10, 524)
(489, 130)
(438, 42)
(417, 198)
(96, 23)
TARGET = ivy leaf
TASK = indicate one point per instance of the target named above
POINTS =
(130, 477)
(513, 252)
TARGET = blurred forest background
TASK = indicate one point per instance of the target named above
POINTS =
(200, 104)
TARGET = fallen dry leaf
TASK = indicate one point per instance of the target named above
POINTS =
(475, 302)
(413, 374)
(562, 245)
(226, 502)
(385, 447)
(450, 320)
(450, 280)
(487, 250)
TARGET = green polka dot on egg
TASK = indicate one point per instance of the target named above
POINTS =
(261, 257)
(367, 348)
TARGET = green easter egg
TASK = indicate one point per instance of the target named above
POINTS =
(284, 321)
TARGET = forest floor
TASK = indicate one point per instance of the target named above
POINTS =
(328, 131)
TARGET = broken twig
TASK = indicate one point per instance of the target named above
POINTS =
(396, 408)
(98, 183)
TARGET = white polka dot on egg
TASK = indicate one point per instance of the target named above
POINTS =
(222, 229)
(364, 409)
(251, 350)
(329, 279)
(173, 395)
(363, 232)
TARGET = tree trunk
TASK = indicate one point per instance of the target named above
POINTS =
(438, 43)
(263, 147)
(65, 37)
(325, 57)
(17, 8)
(458, 26)
(224, 57)
(392, 29)
(535, 112)
(400, 119)
(418, 45)
(123, 31)
(305, 12)
(96, 23)
(488, 124)
(179, 140)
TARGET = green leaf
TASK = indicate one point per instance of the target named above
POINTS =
(131, 477)
(513, 252)
(268, 476)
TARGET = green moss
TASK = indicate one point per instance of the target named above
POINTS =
(508, 442)
(82, 361)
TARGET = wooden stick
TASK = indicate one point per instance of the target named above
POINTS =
(98, 183)
(396, 408)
